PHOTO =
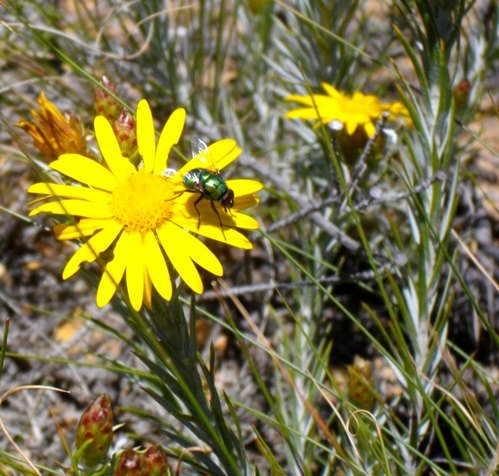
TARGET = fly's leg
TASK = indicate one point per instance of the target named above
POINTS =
(229, 211)
(179, 194)
(201, 196)
(219, 219)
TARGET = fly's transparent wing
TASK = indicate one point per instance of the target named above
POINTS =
(200, 150)
(198, 146)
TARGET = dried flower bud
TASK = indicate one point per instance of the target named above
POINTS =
(96, 426)
(54, 133)
(104, 104)
(151, 462)
(124, 128)
(360, 383)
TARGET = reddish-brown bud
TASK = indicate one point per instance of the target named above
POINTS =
(124, 129)
(104, 104)
(461, 92)
(129, 464)
(155, 462)
(152, 461)
(95, 426)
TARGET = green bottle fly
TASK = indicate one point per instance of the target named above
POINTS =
(211, 186)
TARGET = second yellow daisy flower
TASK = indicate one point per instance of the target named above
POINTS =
(357, 111)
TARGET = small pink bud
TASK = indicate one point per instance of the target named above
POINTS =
(129, 464)
(461, 92)
(96, 426)
(155, 462)
(104, 104)
(124, 129)
(151, 462)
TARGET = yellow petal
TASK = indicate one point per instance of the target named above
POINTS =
(75, 207)
(147, 290)
(110, 149)
(220, 153)
(305, 100)
(91, 249)
(134, 269)
(370, 129)
(331, 91)
(113, 273)
(229, 235)
(172, 239)
(198, 251)
(85, 227)
(156, 266)
(170, 136)
(36, 201)
(244, 186)
(84, 170)
(350, 126)
(305, 113)
(146, 141)
(224, 152)
(69, 191)
(196, 162)
(246, 201)
(186, 215)
(244, 221)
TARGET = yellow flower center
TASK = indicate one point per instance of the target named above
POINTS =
(143, 202)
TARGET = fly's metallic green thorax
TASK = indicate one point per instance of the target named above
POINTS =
(211, 185)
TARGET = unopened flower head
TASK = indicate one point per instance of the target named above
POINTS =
(105, 104)
(152, 462)
(53, 132)
(356, 111)
(145, 217)
(124, 128)
(360, 383)
(461, 93)
(95, 430)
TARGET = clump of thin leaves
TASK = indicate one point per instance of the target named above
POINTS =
(355, 334)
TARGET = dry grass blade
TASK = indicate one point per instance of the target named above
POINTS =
(3, 397)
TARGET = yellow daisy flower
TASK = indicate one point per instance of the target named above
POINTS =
(355, 111)
(54, 133)
(143, 215)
